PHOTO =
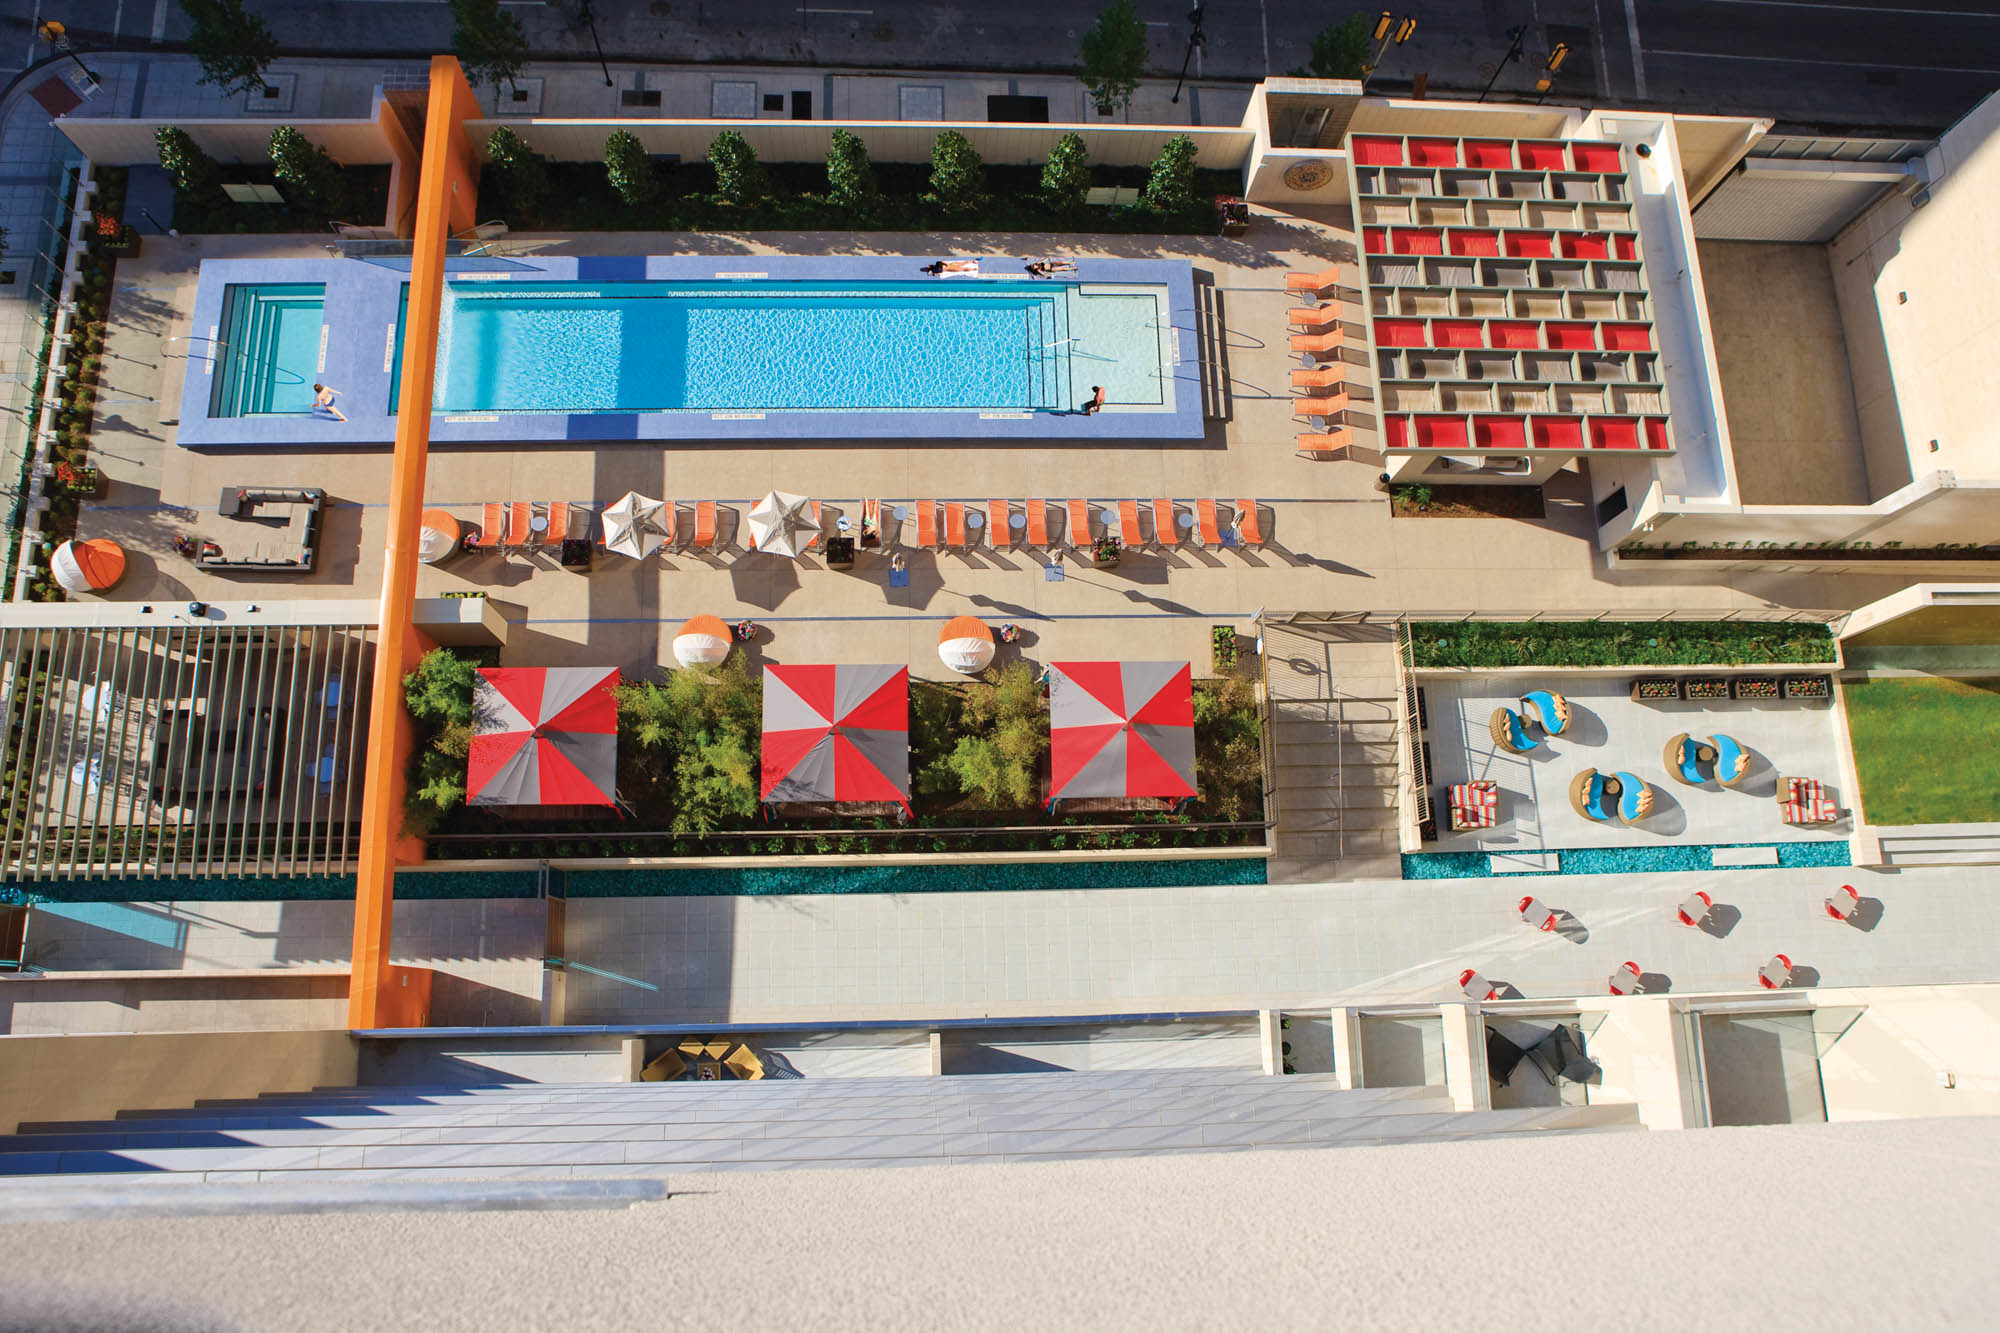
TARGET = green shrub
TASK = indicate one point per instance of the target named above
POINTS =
(739, 180)
(1171, 188)
(439, 691)
(1340, 50)
(1066, 176)
(1114, 57)
(520, 170)
(958, 174)
(1497, 643)
(232, 45)
(490, 43)
(313, 177)
(629, 170)
(193, 170)
(850, 176)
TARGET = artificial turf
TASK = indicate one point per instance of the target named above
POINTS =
(1927, 749)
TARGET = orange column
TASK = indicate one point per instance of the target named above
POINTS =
(446, 194)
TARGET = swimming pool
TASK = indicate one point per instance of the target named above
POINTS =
(268, 349)
(607, 348)
(735, 347)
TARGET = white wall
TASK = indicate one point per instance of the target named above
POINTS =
(1887, 1064)
(1939, 509)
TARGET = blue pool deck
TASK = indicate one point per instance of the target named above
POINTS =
(1151, 395)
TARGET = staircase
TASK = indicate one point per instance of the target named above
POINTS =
(599, 1130)
(1048, 353)
(1335, 719)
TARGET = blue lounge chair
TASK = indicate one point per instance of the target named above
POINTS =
(1509, 732)
(1587, 796)
(1548, 708)
(1732, 761)
(1635, 798)
(1682, 758)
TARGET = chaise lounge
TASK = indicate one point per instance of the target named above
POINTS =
(1732, 761)
(1509, 732)
(1805, 801)
(1475, 805)
(1589, 795)
(1546, 708)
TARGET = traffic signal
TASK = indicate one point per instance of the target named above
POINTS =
(1383, 24)
(1557, 56)
(1406, 31)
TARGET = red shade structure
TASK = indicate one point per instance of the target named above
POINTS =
(543, 736)
(1121, 729)
(837, 733)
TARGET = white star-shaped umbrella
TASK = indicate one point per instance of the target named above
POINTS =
(783, 523)
(632, 526)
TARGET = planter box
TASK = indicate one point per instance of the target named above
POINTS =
(1808, 687)
(1655, 690)
(1756, 688)
(1705, 689)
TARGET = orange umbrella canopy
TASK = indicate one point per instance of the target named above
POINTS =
(965, 644)
(702, 640)
(90, 566)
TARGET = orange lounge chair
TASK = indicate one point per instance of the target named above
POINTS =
(871, 520)
(704, 526)
(493, 518)
(520, 514)
(1315, 284)
(1323, 445)
(558, 521)
(999, 523)
(818, 528)
(1128, 523)
(1165, 531)
(1248, 530)
(926, 523)
(1205, 523)
(669, 524)
(1319, 344)
(1330, 405)
(1318, 318)
(954, 523)
(1038, 522)
(1079, 523)
(1330, 378)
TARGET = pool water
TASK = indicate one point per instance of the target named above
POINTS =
(267, 349)
(740, 347)
(1622, 860)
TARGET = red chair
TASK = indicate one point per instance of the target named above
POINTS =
(1776, 974)
(1842, 905)
(1536, 913)
(1625, 981)
(1695, 909)
(1477, 987)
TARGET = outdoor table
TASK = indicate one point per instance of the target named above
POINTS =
(539, 523)
(974, 519)
(1017, 521)
(1184, 520)
(1110, 517)
(899, 512)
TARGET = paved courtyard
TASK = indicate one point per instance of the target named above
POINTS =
(1612, 733)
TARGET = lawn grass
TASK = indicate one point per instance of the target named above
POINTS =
(1591, 643)
(1927, 750)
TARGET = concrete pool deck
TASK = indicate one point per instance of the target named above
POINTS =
(360, 337)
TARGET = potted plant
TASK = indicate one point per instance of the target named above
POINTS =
(1656, 689)
(1107, 551)
(1756, 687)
(1808, 687)
(1222, 640)
(113, 236)
(80, 481)
(1706, 688)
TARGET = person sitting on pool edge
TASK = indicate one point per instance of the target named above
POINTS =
(1096, 403)
(323, 403)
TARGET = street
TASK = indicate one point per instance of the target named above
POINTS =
(1883, 67)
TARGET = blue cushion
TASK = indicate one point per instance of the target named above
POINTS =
(1545, 708)
(1686, 763)
(1729, 758)
(1593, 804)
(1519, 733)
(1628, 796)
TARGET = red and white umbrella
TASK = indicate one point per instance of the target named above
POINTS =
(543, 736)
(1121, 729)
(836, 733)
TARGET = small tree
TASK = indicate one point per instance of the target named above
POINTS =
(1114, 57)
(1066, 176)
(629, 170)
(1339, 50)
(958, 174)
(232, 44)
(315, 178)
(520, 170)
(490, 43)
(850, 176)
(193, 170)
(438, 695)
(1171, 186)
(738, 177)
(999, 764)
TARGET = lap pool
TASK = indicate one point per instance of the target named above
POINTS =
(672, 348)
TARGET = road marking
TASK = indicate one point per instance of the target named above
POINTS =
(1638, 59)
(863, 12)
(1843, 64)
(1263, 17)
(1859, 9)
(160, 20)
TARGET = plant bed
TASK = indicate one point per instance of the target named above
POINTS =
(1593, 643)
(1222, 649)
(1421, 500)
(1705, 689)
(1107, 552)
(1656, 690)
(1756, 689)
(213, 212)
(1808, 687)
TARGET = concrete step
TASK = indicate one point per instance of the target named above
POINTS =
(1293, 801)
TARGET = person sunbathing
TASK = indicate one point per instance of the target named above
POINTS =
(1043, 268)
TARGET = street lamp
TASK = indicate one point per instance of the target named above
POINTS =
(1196, 38)
(1389, 30)
(589, 17)
(57, 36)
(1515, 37)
